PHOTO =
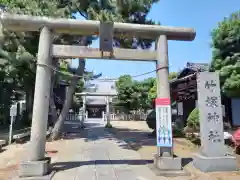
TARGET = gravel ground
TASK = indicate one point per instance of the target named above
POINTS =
(137, 134)
(13, 154)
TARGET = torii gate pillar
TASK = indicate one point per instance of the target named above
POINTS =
(164, 159)
(83, 115)
(108, 112)
(37, 164)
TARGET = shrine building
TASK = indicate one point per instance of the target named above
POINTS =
(184, 92)
(96, 105)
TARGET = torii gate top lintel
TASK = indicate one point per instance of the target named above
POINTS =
(18, 22)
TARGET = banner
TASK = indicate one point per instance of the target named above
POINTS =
(163, 122)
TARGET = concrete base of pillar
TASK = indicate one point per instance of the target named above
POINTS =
(46, 177)
(168, 163)
(213, 164)
(34, 168)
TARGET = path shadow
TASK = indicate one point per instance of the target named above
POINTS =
(2, 150)
(133, 137)
(91, 132)
(22, 140)
(62, 166)
(186, 161)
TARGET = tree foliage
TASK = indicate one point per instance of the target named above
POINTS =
(20, 49)
(136, 95)
(226, 54)
(152, 94)
(193, 120)
(132, 94)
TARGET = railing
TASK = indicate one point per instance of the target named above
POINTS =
(72, 116)
(113, 116)
(126, 117)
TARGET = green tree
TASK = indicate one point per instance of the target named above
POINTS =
(132, 11)
(172, 75)
(7, 94)
(20, 49)
(132, 94)
(125, 92)
(152, 94)
(135, 95)
(226, 54)
(145, 87)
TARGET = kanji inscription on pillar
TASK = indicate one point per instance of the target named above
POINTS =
(163, 122)
(210, 114)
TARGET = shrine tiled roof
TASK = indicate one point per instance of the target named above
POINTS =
(190, 71)
(102, 86)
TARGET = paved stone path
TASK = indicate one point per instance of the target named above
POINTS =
(94, 154)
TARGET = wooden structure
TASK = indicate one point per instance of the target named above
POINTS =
(184, 92)
(59, 93)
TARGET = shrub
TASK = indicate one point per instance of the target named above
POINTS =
(151, 122)
(151, 119)
(193, 120)
(194, 139)
(177, 132)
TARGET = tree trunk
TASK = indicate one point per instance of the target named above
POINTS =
(29, 104)
(53, 110)
(68, 101)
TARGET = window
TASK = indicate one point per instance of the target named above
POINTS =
(113, 87)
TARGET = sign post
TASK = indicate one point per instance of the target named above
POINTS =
(163, 122)
(13, 114)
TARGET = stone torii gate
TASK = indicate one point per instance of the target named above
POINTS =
(37, 164)
(107, 95)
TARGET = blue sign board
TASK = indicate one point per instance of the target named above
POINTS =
(163, 124)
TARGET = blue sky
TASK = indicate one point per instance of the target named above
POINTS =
(202, 15)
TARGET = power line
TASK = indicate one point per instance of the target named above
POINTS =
(90, 77)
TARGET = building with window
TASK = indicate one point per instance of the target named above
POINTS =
(96, 105)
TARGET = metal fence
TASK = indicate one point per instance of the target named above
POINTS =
(127, 117)
(72, 116)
